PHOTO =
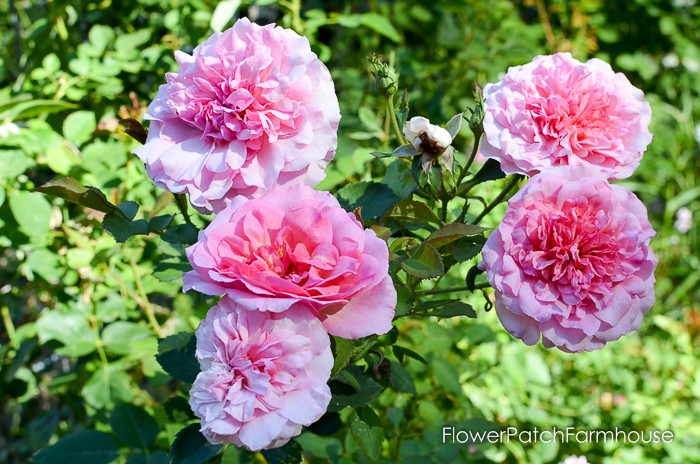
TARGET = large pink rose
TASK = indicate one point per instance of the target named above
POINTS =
(558, 111)
(571, 261)
(264, 375)
(297, 245)
(252, 107)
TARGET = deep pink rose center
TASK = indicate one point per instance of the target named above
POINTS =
(573, 112)
(574, 247)
(244, 102)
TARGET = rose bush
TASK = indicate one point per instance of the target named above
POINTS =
(375, 268)
(251, 108)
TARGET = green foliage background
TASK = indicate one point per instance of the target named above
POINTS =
(81, 313)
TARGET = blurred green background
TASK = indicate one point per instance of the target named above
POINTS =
(77, 338)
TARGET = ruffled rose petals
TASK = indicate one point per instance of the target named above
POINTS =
(252, 107)
(297, 245)
(264, 375)
(571, 261)
(558, 111)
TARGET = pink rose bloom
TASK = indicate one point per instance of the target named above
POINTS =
(297, 245)
(571, 261)
(558, 111)
(252, 107)
(264, 375)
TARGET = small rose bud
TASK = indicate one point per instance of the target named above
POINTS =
(385, 76)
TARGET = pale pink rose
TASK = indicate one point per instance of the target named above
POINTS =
(264, 375)
(558, 111)
(571, 261)
(297, 245)
(252, 107)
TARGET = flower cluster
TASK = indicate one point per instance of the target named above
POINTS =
(571, 261)
(246, 128)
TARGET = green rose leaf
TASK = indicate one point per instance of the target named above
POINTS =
(342, 352)
(70, 328)
(454, 124)
(71, 190)
(32, 212)
(86, 446)
(124, 337)
(106, 388)
(160, 223)
(373, 197)
(13, 163)
(380, 24)
(290, 453)
(400, 379)
(353, 387)
(367, 432)
(444, 308)
(412, 211)
(120, 223)
(181, 233)
(79, 126)
(423, 262)
(176, 356)
(491, 170)
(134, 426)
(453, 232)
(190, 447)
(170, 269)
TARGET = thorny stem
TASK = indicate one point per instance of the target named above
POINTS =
(511, 183)
(445, 201)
